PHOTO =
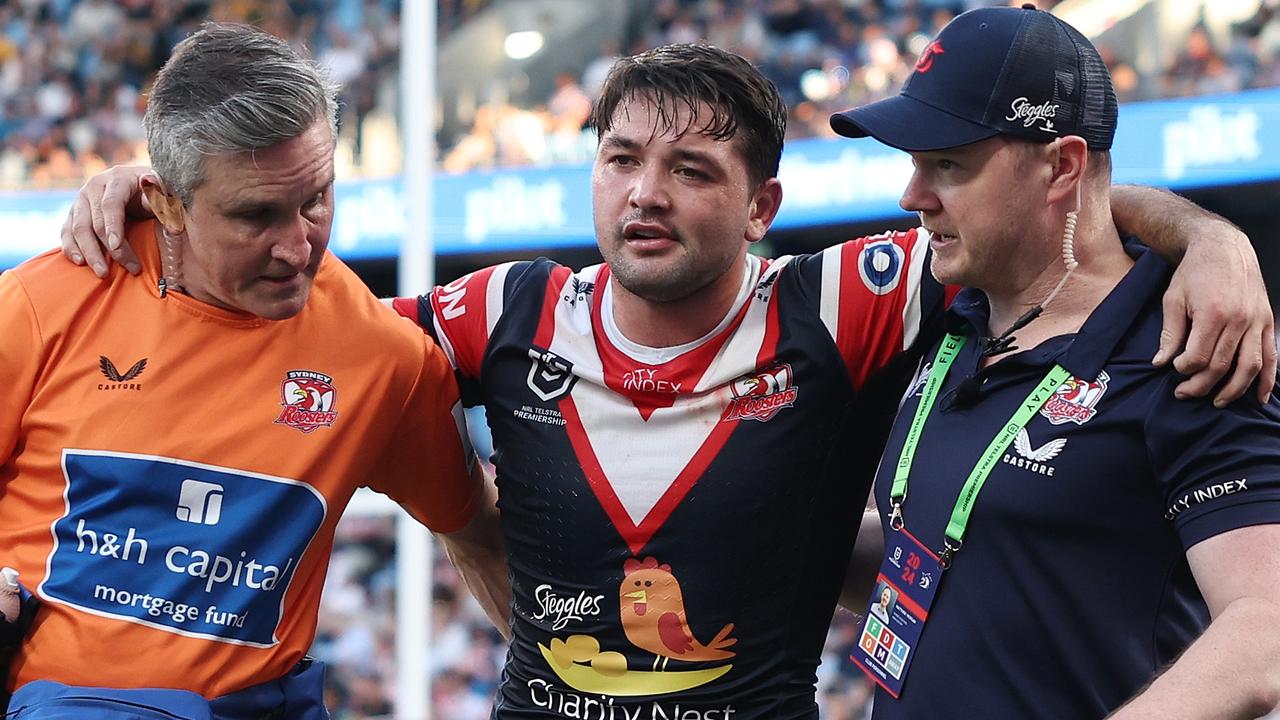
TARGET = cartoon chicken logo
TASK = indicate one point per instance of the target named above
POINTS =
(653, 616)
(653, 620)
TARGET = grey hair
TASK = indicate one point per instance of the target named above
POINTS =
(229, 89)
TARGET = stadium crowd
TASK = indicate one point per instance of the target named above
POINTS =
(74, 73)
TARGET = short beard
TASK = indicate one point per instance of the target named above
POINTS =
(682, 281)
(665, 288)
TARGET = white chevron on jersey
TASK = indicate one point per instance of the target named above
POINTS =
(641, 460)
(642, 451)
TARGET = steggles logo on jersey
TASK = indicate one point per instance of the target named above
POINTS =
(308, 398)
(762, 395)
(120, 381)
(654, 621)
(1075, 400)
(550, 376)
(563, 609)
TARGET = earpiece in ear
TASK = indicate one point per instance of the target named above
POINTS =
(1069, 235)
(170, 260)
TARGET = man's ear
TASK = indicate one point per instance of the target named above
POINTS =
(1070, 158)
(764, 208)
(166, 206)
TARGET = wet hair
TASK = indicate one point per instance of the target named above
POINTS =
(745, 105)
(228, 89)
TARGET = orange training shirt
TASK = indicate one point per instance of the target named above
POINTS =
(171, 472)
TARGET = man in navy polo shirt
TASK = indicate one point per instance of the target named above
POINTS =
(1060, 529)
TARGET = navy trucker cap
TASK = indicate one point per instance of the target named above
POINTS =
(995, 71)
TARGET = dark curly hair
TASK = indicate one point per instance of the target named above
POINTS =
(743, 101)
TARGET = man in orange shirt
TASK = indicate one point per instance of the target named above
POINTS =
(176, 447)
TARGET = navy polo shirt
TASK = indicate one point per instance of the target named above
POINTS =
(1072, 589)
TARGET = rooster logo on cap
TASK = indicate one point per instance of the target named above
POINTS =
(925, 63)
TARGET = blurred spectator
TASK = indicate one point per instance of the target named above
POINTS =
(598, 69)
(521, 136)
(1191, 65)
(567, 109)
(1124, 78)
(569, 105)
(453, 696)
(344, 61)
(478, 149)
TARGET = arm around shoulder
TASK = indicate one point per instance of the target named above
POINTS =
(1169, 223)
(1217, 301)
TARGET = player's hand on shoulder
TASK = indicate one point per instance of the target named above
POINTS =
(93, 232)
(1218, 304)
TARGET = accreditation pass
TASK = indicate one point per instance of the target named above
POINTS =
(897, 612)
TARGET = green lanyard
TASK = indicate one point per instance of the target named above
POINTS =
(959, 522)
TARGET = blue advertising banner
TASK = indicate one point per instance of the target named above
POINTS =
(1185, 143)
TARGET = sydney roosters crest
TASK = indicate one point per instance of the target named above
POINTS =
(309, 400)
(1075, 400)
(762, 395)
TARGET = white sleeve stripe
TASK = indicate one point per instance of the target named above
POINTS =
(443, 340)
(829, 307)
(494, 295)
(912, 310)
